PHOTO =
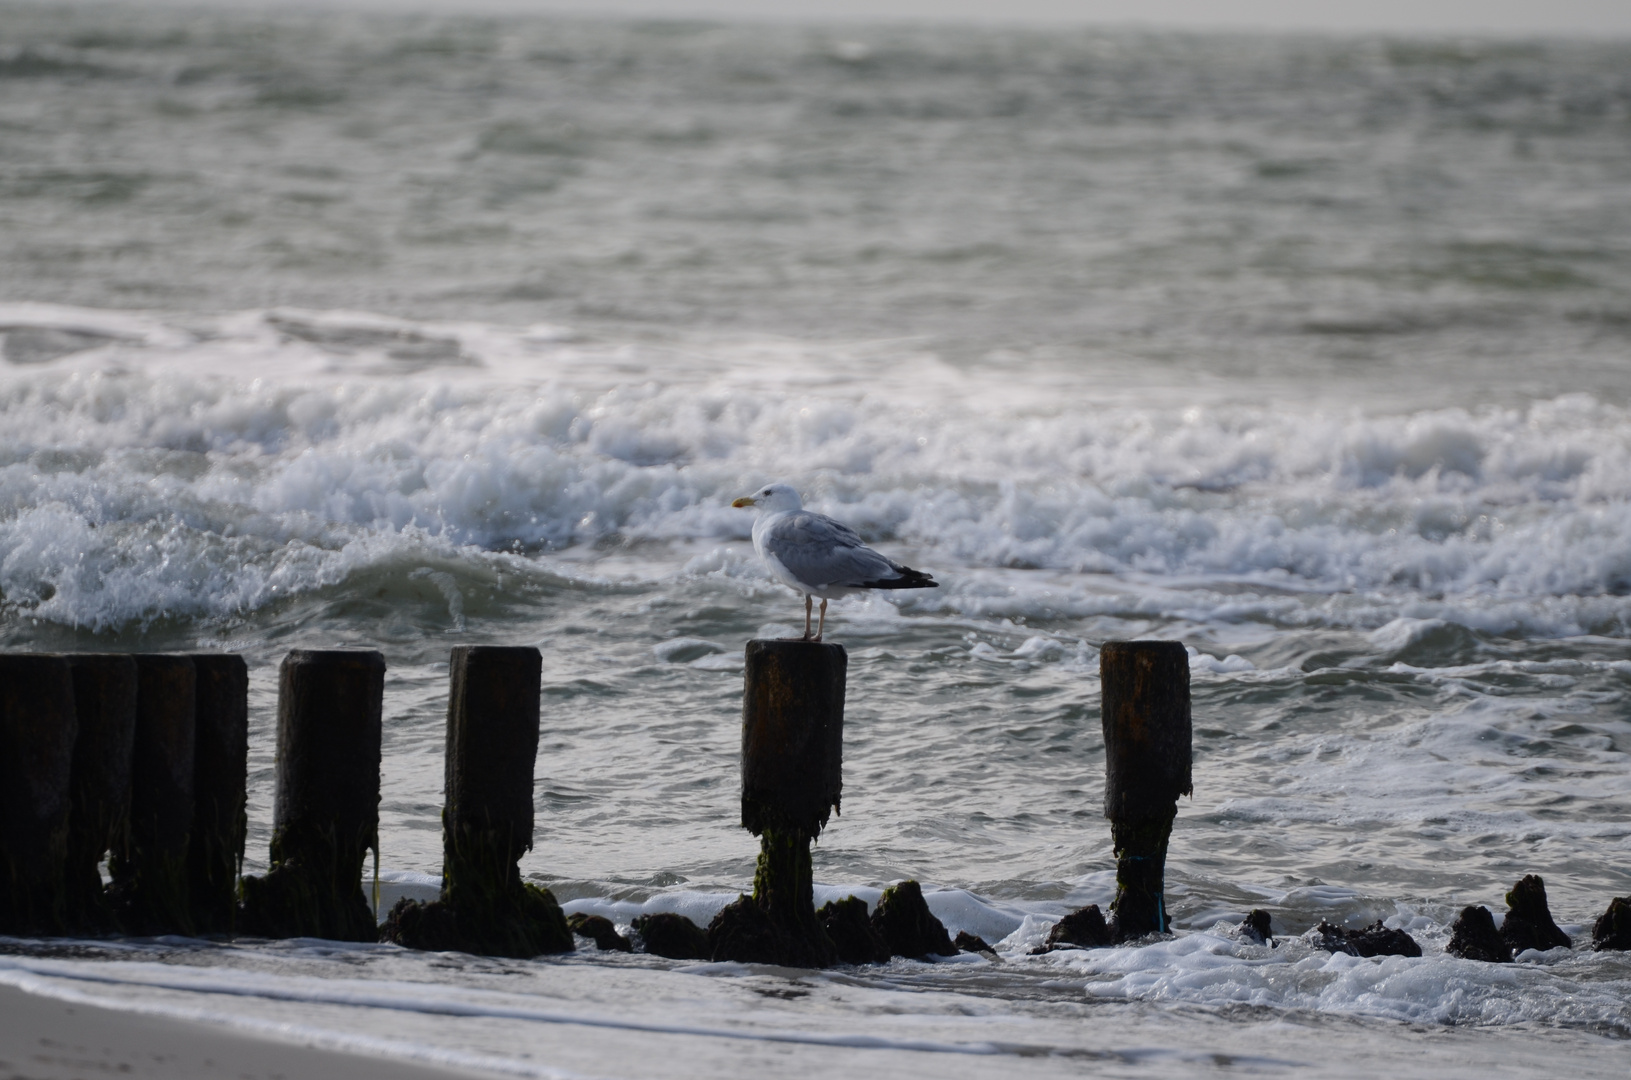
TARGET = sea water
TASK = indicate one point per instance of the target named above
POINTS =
(1315, 354)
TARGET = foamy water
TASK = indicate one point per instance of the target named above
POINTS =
(1177, 363)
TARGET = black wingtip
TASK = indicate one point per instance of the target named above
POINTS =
(909, 579)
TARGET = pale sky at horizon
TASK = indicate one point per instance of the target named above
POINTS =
(1609, 18)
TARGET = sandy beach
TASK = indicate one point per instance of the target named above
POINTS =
(43, 1038)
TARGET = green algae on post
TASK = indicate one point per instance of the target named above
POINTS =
(487, 824)
(326, 816)
(37, 729)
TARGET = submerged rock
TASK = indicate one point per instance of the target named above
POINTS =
(1374, 940)
(416, 925)
(1473, 937)
(1257, 928)
(1332, 939)
(673, 936)
(599, 929)
(1613, 929)
(747, 933)
(522, 922)
(1529, 922)
(1379, 940)
(907, 926)
(1084, 928)
(850, 928)
(968, 942)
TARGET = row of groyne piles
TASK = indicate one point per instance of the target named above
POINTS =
(123, 795)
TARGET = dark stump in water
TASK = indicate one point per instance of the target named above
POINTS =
(906, 925)
(673, 936)
(967, 942)
(105, 701)
(532, 924)
(1081, 929)
(744, 932)
(326, 814)
(850, 929)
(1613, 928)
(1379, 940)
(37, 730)
(777, 924)
(149, 869)
(1473, 937)
(599, 929)
(1257, 928)
(215, 850)
(1529, 922)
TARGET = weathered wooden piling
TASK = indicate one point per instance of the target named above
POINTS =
(220, 769)
(105, 703)
(792, 779)
(37, 729)
(325, 816)
(149, 869)
(1147, 767)
(492, 745)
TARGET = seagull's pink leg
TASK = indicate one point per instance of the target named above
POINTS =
(807, 615)
(821, 627)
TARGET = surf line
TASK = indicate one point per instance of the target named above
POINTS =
(296, 1034)
(320, 996)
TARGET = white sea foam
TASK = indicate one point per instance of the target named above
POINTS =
(149, 477)
(1217, 968)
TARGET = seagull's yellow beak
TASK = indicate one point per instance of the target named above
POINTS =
(746, 500)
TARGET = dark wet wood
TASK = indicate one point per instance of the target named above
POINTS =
(37, 729)
(1147, 755)
(220, 770)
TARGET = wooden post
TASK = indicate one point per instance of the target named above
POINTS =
(792, 779)
(1146, 767)
(105, 702)
(220, 771)
(325, 816)
(492, 745)
(37, 729)
(150, 868)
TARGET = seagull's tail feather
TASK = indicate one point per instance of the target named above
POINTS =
(908, 579)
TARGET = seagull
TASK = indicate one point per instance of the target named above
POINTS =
(817, 556)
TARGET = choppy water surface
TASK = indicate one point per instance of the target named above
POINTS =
(415, 332)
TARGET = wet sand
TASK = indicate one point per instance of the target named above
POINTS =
(43, 1038)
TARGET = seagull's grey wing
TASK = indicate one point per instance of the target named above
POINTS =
(820, 551)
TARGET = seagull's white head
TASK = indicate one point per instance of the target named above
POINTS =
(773, 498)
